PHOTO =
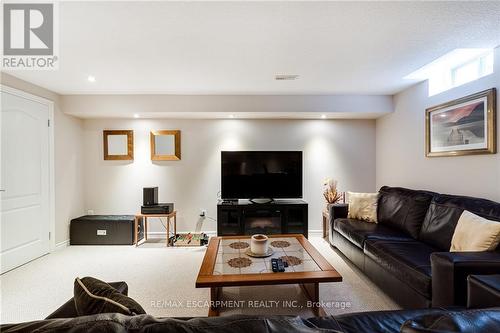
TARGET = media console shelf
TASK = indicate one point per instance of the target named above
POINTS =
(277, 217)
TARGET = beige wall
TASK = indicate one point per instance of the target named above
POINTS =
(401, 157)
(68, 154)
(344, 149)
(362, 154)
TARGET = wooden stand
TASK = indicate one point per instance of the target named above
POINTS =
(341, 208)
(326, 224)
(309, 280)
(146, 216)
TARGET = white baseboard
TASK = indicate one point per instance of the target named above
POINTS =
(61, 245)
(315, 233)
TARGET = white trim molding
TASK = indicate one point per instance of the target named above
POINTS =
(61, 245)
(315, 233)
(52, 196)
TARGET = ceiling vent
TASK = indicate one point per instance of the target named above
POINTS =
(285, 77)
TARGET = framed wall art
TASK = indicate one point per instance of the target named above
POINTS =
(464, 126)
(118, 144)
(165, 145)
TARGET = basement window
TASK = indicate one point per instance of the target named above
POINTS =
(455, 69)
(472, 70)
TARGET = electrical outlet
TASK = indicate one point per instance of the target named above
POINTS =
(203, 212)
(90, 212)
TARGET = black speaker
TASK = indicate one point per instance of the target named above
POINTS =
(150, 196)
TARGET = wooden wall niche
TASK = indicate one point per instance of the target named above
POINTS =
(118, 144)
(165, 145)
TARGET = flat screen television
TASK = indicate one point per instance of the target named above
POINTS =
(261, 174)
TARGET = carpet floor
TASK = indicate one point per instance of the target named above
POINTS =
(162, 280)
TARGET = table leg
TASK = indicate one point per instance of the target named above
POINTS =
(145, 228)
(324, 226)
(136, 226)
(215, 294)
(175, 224)
(168, 230)
(312, 292)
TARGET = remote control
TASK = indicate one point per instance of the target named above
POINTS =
(281, 265)
(274, 265)
(278, 265)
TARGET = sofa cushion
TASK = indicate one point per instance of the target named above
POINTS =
(68, 310)
(408, 261)
(474, 233)
(444, 212)
(93, 296)
(403, 209)
(358, 231)
(363, 206)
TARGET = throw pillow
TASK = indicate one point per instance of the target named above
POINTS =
(93, 296)
(475, 233)
(363, 206)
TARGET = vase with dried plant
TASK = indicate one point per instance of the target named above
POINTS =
(331, 193)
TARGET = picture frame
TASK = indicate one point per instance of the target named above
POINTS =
(465, 126)
(118, 145)
(165, 145)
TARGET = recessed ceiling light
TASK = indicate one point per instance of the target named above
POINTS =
(136, 115)
(286, 77)
(231, 116)
(323, 116)
(91, 78)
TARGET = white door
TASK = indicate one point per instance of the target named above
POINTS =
(24, 182)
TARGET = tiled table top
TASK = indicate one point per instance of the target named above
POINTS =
(231, 257)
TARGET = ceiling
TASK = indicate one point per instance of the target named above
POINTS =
(238, 47)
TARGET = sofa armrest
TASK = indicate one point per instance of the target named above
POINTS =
(68, 309)
(483, 291)
(338, 211)
(450, 271)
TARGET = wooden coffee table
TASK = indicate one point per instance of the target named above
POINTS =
(225, 264)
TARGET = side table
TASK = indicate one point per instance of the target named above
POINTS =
(326, 223)
(146, 216)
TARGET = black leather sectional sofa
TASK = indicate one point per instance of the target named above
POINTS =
(407, 252)
(484, 291)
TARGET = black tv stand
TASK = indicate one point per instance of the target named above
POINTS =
(242, 217)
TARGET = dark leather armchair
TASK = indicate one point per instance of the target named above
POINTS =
(483, 291)
(450, 271)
